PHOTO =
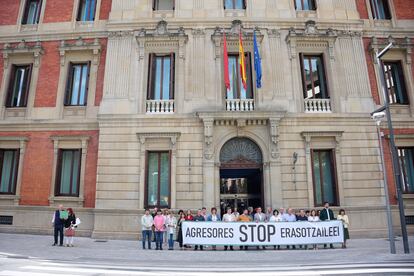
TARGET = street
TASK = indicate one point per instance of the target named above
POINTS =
(34, 255)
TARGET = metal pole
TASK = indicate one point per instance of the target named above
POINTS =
(387, 199)
(394, 154)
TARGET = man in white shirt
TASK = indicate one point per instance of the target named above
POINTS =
(290, 217)
(229, 217)
(146, 225)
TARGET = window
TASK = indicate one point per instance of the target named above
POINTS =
(313, 77)
(9, 162)
(305, 5)
(158, 179)
(68, 172)
(324, 177)
(77, 85)
(163, 5)
(380, 9)
(234, 4)
(31, 13)
(19, 86)
(395, 83)
(237, 90)
(161, 77)
(406, 156)
(86, 11)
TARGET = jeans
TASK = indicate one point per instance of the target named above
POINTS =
(158, 239)
(146, 235)
(171, 241)
(58, 230)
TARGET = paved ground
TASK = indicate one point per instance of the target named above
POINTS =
(34, 255)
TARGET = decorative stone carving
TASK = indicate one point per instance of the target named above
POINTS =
(23, 48)
(311, 37)
(240, 150)
(208, 138)
(160, 38)
(80, 45)
(274, 135)
(232, 37)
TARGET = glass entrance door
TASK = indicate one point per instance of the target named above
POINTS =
(241, 190)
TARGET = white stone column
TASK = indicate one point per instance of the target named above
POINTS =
(309, 180)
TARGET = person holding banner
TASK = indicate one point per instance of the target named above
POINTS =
(260, 217)
(199, 217)
(229, 217)
(345, 220)
(214, 217)
(326, 214)
(244, 217)
(313, 217)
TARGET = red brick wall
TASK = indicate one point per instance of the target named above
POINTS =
(58, 11)
(362, 9)
(404, 9)
(38, 166)
(101, 74)
(388, 161)
(48, 75)
(105, 9)
(371, 71)
(9, 11)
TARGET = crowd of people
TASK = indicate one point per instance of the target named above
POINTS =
(160, 226)
(64, 222)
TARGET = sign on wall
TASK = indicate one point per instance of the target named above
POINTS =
(251, 233)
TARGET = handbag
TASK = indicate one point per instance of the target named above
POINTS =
(70, 232)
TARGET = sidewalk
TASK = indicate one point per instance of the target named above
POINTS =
(129, 252)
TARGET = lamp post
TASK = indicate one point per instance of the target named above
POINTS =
(377, 118)
(394, 154)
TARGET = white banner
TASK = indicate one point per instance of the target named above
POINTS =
(271, 233)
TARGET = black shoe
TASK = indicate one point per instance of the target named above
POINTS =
(54, 244)
(60, 244)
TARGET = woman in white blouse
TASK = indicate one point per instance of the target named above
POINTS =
(313, 217)
(345, 221)
(276, 217)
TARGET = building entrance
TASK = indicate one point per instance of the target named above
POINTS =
(241, 181)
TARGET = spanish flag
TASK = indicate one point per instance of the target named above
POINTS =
(226, 63)
(242, 62)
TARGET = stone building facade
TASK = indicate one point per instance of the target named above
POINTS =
(156, 126)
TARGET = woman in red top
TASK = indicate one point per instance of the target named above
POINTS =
(189, 215)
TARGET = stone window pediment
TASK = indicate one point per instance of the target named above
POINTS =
(232, 38)
(311, 38)
(162, 39)
(400, 44)
(78, 46)
(23, 48)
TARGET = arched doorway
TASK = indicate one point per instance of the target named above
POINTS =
(241, 174)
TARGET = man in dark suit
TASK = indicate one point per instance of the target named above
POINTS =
(326, 214)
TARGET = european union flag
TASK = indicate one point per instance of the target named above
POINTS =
(257, 63)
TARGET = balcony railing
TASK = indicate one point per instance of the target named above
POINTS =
(318, 106)
(240, 104)
(160, 106)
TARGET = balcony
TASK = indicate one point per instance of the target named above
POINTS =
(240, 104)
(317, 105)
(160, 106)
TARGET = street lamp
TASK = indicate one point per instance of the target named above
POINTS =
(394, 154)
(377, 117)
